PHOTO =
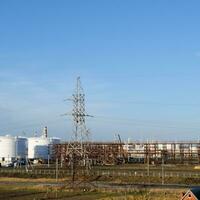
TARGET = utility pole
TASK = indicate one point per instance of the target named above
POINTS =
(56, 170)
(148, 166)
(78, 150)
(48, 161)
(163, 172)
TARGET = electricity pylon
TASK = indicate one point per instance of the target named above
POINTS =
(78, 151)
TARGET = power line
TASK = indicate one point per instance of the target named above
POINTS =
(139, 102)
(133, 122)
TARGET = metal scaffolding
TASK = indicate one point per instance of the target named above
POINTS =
(110, 153)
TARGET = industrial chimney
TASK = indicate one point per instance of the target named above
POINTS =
(45, 132)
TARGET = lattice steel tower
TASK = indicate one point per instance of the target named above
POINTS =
(81, 133)
(78, 150)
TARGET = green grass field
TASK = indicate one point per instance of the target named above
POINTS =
(33, 185)
(15, 192)
(132, 173)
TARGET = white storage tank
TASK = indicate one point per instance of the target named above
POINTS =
(7, 149)
(169, 147)
(38, 147)
(194, 149)
(160, 146)
(21, 147)
(177, 147)
(55, 140)
(41, 147)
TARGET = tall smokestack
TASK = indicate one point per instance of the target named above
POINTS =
(45, 133)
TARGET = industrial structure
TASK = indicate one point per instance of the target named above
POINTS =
(40, 147)
(99, 153)
(154, 152)
(179, 152)
(79, 151)
(21, 147)
(13, 149)
(8, 149)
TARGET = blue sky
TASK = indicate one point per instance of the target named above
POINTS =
(139, 62)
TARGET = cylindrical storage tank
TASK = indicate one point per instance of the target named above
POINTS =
(177, 147)
(169, 147)
(21, 147)
(55, 140)
(7, 149)
(194, 149)
(129, 140)
(38, 148)
(160, 146)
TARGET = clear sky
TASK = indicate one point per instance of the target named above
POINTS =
(139, 62)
